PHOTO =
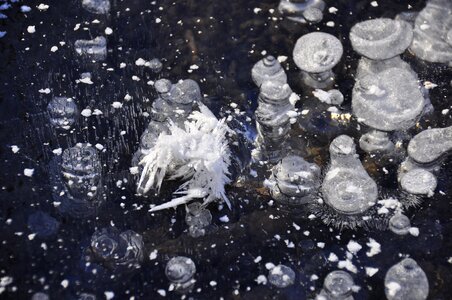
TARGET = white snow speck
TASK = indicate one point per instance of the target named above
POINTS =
(393, 288)
(414, 231)
(57, 151)
(25, 8)
(109, 295)
(224, 219)
(332, 10)
(86, 112)
(44, 91)
(29, 172)
(108, 31)
(54, 49)
(374, 3)
(65, 283)
(162, 292)
(257, 10)
(116, 104)
(261, 279)
(31, 29)
(158, 20)
(333, 257)
(213, 283)
(371, 271)
(15, 149)
(374, 246)
(127, 97)
(43, 7)
(153, 254)
(354, 247)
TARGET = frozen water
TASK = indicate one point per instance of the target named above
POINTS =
(382, 38)
(76, 178)
(347, 187)
(371, 67)
(433, 32)
(419, 182)
(97, 6)
(388, 101)
(316, 54)
(95, 49)
(302, 11)
(338, 285)
(376, 141)
(399, 224)
(294, 181)
(268, 69)
(430, 145)
(86, 296)
(118, 251)
(180, 270)
(281, 276)
(155, 65)
(40, 296)
(197, 218)
(406, 280)
(272, 118)
(63, 112)
(43, 224)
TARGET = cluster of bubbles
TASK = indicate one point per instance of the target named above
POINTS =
(387, 100)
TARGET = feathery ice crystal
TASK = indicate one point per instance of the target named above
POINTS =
(198, 153)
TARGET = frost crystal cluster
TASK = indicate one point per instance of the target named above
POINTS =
(198, 153)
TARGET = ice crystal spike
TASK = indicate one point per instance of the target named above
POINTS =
(316, 54)
(399, 224)
(419, 182)
(95, 49)
(43, 224)
(302, 11)
(433, 32)
(198, 153)
(388, 101)
(118, 251)
(100, 7)
(76, 177)
(376, 142)
(380, 39)
(294, 181)
(180, 270)
(281, 276)
(406, 280)
(347, 187)
(338, 285)
(268, 69)
(272, 119)
(63, 112)
(430, 145)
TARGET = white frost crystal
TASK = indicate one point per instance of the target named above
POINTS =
(198, 153)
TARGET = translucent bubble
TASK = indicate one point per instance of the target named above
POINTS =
(63, 112)
(376, 142)
(406, 280)
(430, 145)
(388, 101)
(180, 269)
(268, 69)
(155, 65)
(400, 224)
(197, 218)
(97, 6)
(432, 32)
(95, 49)
(86, 296)
(281, 276)
(302, 11)
(43, 224)
(40, 296)
(118, 251)
(347, 187)
(419, 182)
(338, 285)
(381, 38)
(296, 181)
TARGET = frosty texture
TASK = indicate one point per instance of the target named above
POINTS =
(338, 285)
(381, 38)
(197, 218)
(272, 119)
(95, 49)
(97, 6)
(347, 187)
(406, 280)
(180, 270)
(317, 52)
(155, 65)
(430, 145)
(63, 112)
(76, 177)
(432, 32)
(119, 251)
(374, 67)
(268, 69)
(281, 276)
(302, 11)
(376, 142)
(333, 96)
(294, 181)
(399, 224)
(419, 182)
(43, 224)
(390, 100)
